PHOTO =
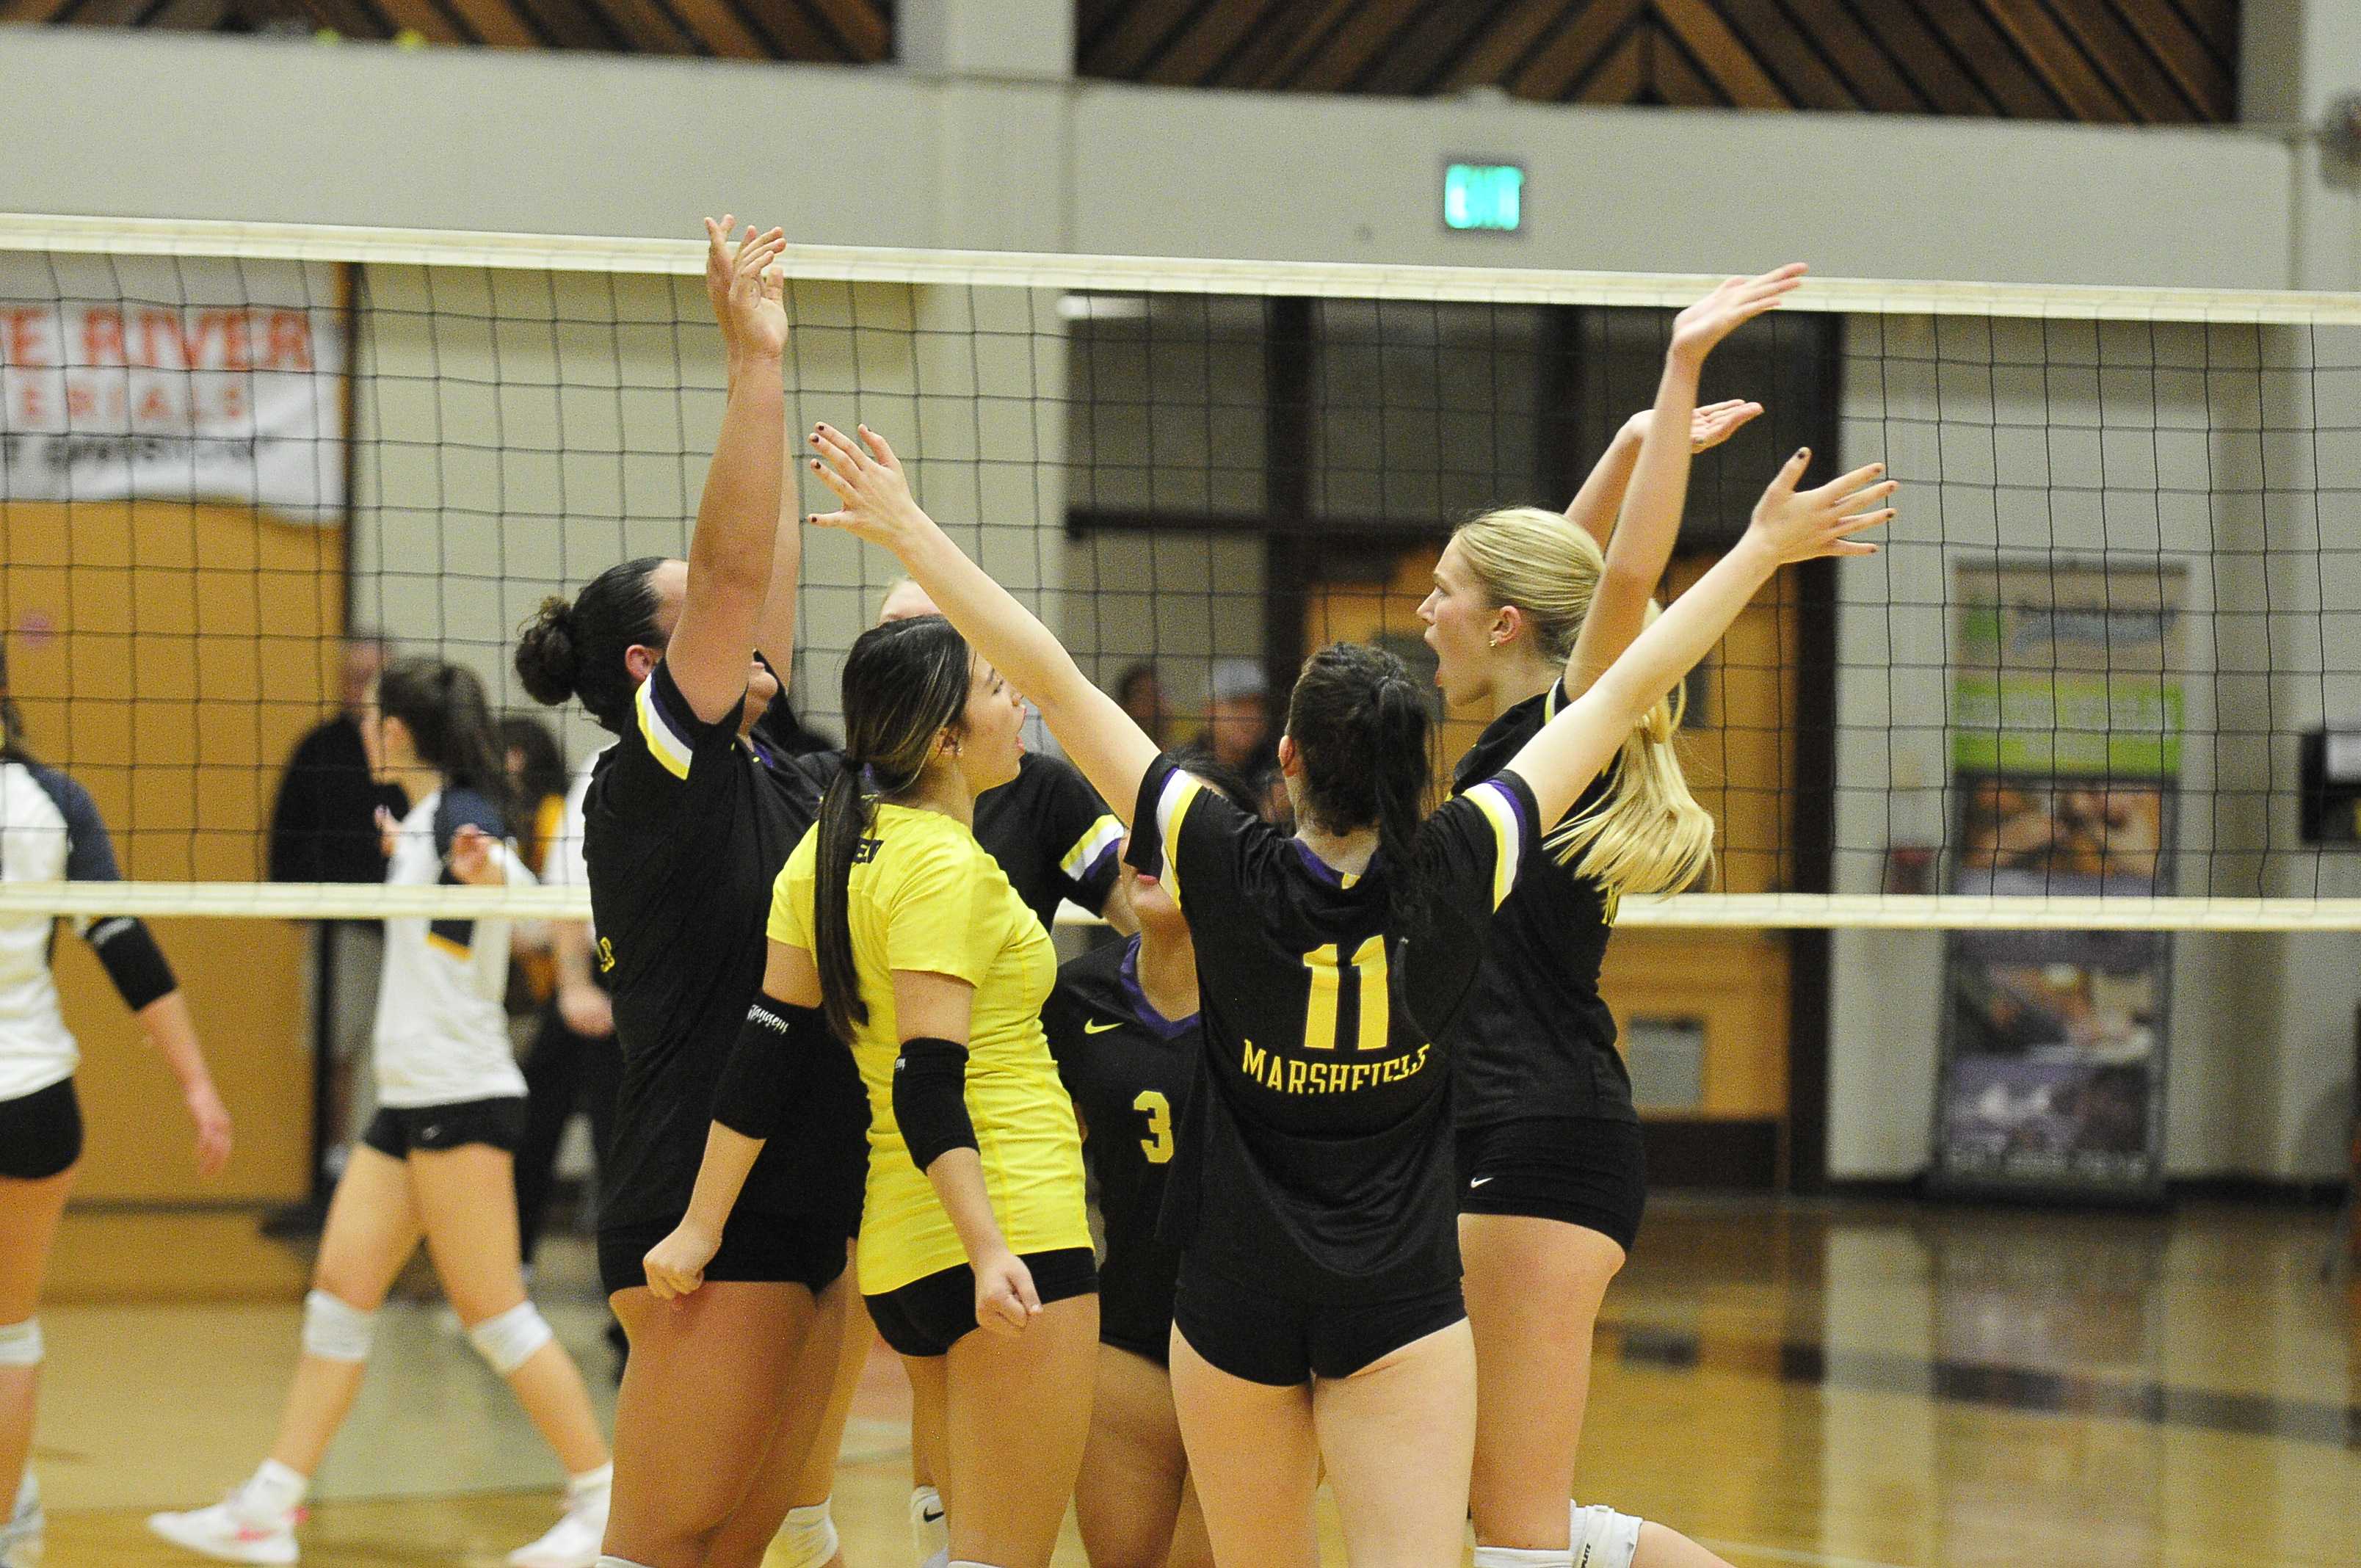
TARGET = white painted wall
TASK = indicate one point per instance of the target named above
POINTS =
(201, 126)
(2185, 444)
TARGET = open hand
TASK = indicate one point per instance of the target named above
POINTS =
(1005, 1301)
(1802, 525)
(868, 478)
(748, 292)
(1708, 427)
(1723, 311)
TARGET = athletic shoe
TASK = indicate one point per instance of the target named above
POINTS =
(21, 1536)
(20, 1549)
(230, 1533)
(573, 1541)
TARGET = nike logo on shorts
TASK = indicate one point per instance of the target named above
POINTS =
(1479, 1181)
(1092, 1026)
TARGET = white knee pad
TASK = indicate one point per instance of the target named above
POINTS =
(807, 1538)
(20, 1343)
(1521, 1557)
(1603, 1538)
(507, 1340)
(335, 1331)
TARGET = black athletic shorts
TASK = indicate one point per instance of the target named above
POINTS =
(927, 1316)
(1589, 1171)
(1263, 1338)
(758, 1249)
(397, 1130)
(40, 1133)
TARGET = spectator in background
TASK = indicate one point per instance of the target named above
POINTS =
(1141, 692)
(1238, 734)
(537, 782)
(323, 828)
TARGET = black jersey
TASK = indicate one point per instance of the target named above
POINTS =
(1053, 835)
(1129, 1069)
(1316, 1156)
(1535, 1038)
(685, 830)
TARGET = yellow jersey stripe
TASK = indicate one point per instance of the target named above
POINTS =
(664, 744)
(1181, 791)
(459, 950)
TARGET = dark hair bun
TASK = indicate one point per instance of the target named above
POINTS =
(549, 653)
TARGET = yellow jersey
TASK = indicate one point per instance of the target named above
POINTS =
(926, 897)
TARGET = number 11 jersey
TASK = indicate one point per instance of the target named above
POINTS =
(1315, 1158)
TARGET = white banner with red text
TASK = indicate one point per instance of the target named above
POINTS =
(161, 378)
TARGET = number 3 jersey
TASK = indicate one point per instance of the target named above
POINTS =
(1315, 1158)
(1129, 1069)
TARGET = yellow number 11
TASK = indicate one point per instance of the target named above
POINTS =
(1320, 1032)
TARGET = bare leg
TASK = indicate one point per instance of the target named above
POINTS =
(1134, 1468)
(1255, 1457)
(372, 1229)
(467, 1201)
(1398, 1437)
(799, 1471)
(1191, 1546)
(29, 1229)
(700, 1403)
(1017, 1414)
(1533, 1289)
(929, 1463)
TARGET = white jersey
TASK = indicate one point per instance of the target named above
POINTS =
(562, 865)
(442, 1031)
(50, 831)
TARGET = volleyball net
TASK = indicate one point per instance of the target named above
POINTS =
(2105, 675)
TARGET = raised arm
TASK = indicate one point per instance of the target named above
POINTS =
(1788, 525)
(1104, 741)
(774, 634)
(1596, 506)
(1643, 541)
(730, 555)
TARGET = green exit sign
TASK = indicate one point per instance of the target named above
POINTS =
(1484, 196)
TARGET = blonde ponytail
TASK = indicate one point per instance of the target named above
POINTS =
(1645, 832)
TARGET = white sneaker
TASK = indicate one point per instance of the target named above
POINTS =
(573, 1541)
(230, 1533)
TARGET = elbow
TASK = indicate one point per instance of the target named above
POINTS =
(931, 1100)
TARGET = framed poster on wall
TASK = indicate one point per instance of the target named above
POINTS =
(2066, 725)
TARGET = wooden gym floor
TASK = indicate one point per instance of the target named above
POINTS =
(1843, 1385)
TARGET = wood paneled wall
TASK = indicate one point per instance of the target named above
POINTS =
(822, 31)
(2123, 61)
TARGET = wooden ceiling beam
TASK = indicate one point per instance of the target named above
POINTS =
(1722, 55)
(1362, 37)
(1929, 63)
(2060, 61)
(1551, 71)
(1874, 76)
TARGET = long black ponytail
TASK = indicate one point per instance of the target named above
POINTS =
(450, 724)
(905, 683)
(1364, 728)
